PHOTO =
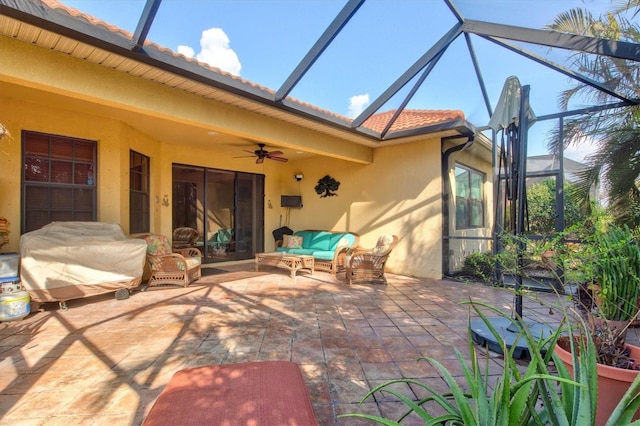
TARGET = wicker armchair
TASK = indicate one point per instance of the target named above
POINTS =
(367, 266)
(180, 266)
(184, 237)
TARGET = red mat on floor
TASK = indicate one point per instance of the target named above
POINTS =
(250, 393)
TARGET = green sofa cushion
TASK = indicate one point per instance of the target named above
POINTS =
(308, 252)
(320, 244)
(316, 240)
(324, 255)
(323, 240)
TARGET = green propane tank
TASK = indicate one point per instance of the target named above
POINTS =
(15, 302)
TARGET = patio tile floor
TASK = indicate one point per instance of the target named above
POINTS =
(104, 362)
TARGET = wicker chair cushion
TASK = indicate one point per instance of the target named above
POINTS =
(185, 235)
(158, 245)
(192, 262)
(383, 244)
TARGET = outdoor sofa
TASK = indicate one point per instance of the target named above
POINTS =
(328, 248)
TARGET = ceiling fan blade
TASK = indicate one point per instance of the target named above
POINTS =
(261, 154)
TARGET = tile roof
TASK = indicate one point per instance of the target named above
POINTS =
(408, 119)
(411, 118)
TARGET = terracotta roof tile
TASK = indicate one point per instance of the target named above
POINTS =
(55, 4)
(408, 119)
(411, 118)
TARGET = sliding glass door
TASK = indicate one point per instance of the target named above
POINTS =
(225, 207)
(249, 214)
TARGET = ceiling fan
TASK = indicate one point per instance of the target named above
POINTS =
(261, 154)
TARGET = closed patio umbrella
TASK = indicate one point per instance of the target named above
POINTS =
(512, 117)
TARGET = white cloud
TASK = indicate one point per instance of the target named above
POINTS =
(186, 51)
(215, 51)
(357, 104)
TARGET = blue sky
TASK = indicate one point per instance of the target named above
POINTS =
(263, 41)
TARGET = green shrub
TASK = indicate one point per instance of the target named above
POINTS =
(479, 266)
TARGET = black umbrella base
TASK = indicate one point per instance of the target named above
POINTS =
(510, 333)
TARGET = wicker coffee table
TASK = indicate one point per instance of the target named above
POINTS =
(290, 262)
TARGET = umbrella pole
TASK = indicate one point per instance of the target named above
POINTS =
(523, 126)
(510, 328)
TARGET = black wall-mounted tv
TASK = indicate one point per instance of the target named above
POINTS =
(294, 201)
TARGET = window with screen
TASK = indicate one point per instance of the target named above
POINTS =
(469, 198)
(59, 180)
(138, 193)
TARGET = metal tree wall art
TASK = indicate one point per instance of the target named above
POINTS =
(326, 187)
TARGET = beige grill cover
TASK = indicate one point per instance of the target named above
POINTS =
(70, 260)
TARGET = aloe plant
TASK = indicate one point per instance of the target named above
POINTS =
(513, 401)
(538, 396)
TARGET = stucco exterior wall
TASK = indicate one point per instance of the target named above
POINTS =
(399, 193)
(115, 139)
(392, 189)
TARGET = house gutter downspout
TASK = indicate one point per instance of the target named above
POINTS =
(444, 170)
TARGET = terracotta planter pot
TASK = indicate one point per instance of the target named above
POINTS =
(612, 382)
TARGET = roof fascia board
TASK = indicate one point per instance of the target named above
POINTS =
(310, 112)
(144, 24)
(559, 68)
(84, 31)
(611, 48)
(41, 16)
(319, 47)
(459, 125)
(197, 72)
(440, 45)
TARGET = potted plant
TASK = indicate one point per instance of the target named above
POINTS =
(608, 262)
(587, 356)
(616, 376)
